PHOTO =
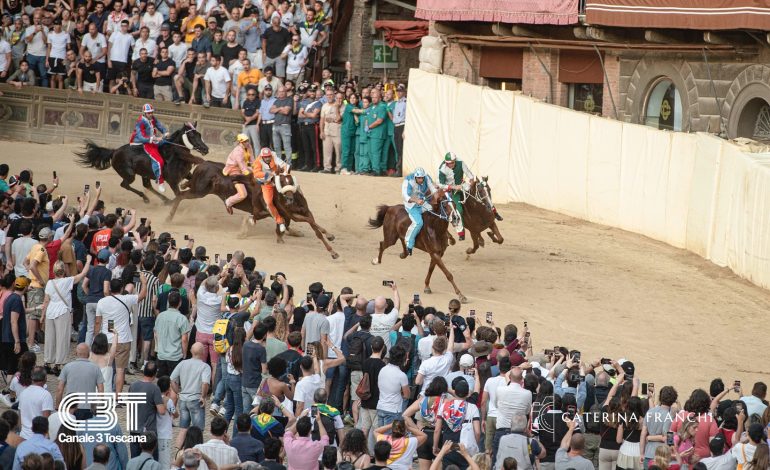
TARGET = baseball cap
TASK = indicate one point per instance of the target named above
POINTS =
(466, 360)
(268, 87)
(165, 26)
(628, 368)
(45, 233)
(21, 282)
(200, 252)
(401, 87)
(103, 255)
(212, 20)
(323, 301)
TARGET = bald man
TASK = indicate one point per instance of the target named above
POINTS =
(510, 399)
(570, 453)
(190, 380)
(382, 321)
(80, 375)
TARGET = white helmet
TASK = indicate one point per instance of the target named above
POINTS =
(419, 172)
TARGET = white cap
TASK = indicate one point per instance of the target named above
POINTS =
(466, 360)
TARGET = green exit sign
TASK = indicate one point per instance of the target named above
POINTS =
(384, 56)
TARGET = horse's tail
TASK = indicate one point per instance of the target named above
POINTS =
(377, 222)
(94, 156)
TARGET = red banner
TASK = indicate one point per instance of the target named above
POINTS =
(680, 14)
(558, 12)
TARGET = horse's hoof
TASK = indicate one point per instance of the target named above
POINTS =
(330, 237)
(252, 221)
(427, 290)
(375, 261)
(146, 200)
(280, 241)
(481, 242)
(463, 299)
(335, 255)
(403, 255)
(469, 251)
(452, 241)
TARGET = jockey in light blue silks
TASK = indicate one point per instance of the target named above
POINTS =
(145, 130)
(416, 189)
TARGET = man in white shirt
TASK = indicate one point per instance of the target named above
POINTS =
(755, 402)
(57, 42)
(96, 43)
(115, 18)
(489, 401)
(719, 460)
(113, 316)
(217, 448)
(437, 365)
(34, 401)
(178, 50)
(383, 322)
(394, 388)
(295, 55)
(5, 59)
(217, 81)
(310, 382)
(512, 398)
(145, 42)
(117, 52)
(152, 20)
(36, 37)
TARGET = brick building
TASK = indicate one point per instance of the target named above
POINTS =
(689, 65)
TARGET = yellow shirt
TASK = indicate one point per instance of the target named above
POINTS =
(189, 31)
(249, 78)
(38, 253)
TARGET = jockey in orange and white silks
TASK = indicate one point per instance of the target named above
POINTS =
(266, 168)
(238, 163)
(150, 132)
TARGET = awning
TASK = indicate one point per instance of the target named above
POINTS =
(403, 34)
(580, 67)
(501, 63)
(681, 14)
(557, 12)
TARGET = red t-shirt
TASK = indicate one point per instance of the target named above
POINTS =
(53, 251)
(101, 240)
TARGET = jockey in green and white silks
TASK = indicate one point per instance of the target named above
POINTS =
(416, 189)
(452, 173)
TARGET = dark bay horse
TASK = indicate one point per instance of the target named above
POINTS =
(130, 161)
(478, 215)
(432, 239)
(207, 178)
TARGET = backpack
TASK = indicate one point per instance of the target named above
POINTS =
(223, 333)
(592, 422)
(356, 351)
(364, 389)
(328, 424)
(408, 343)
(344, 466)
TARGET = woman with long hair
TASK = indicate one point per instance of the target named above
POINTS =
(72, 451)
(354, 449)
(234, 364)
(684, 441)
(628, 434)
(403, 446)
(103, 355)
(192, 438)
(264, 423)
(429, 406)
(14, 423)
(697, 408)
(281, 324)
(761, 459)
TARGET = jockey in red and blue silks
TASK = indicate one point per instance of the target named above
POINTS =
(150, 132)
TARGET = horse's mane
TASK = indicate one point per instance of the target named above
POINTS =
(182, 153)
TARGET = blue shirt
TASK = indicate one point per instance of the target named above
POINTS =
(201, 45)
(579, 392)
(252, 38)
(399, 112)
(410, 189)
(14, 304)
(249, 449)
(118, 451)
(309, 106)
(264, 109)
(37, 444)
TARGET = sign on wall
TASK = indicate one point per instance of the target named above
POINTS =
(384, 56)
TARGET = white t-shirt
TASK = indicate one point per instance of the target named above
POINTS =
(32, 403)
(58, 42)
(295, 62)
(435, 366)
(336, 330)
(5, 48)
(111, 308)
(140, 44)
(425, 347)
(119, 45)
(403, 461)
(153, 22)
(382, 323)
(178, 53)
(56, 305)
(208, 310)
(165, 421)
(390, 381)
(491, 388)
(738, 451)
(20, 249)
(38, 46)
(95, 45)
(306, 389)
(219, 78)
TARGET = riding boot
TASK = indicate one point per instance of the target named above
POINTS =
(497, 216)
(409, 251)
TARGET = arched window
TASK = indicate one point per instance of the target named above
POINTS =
(663, 108)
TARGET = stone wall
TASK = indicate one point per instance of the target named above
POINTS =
(356, 46)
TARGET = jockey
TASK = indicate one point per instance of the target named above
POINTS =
(266, 167)
(416, 189)
(238, 163)
(452, 174)
(145, 130)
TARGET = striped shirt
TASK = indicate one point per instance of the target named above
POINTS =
(221, 453)
(147, 306)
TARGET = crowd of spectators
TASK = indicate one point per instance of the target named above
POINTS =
(350, 379)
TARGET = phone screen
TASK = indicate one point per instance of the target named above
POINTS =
(670, 438)
(216, 258)
(644, 389)
(229, 257)
(416, 299)
(54, 174)
(473, 313)
(489, 317)
(98, 184)
(86, 188)
(309, 297)
(110, 325)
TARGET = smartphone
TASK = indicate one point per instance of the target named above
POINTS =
(54, 174)
(313, 410)
(548, 352)
(78, 198)
(216, 258)
(309, 297)
(736, 385)
(229, 257)
(670, 438)
(416, 299)
(571, 411)
(471, 371)
(142, 220)
(644, 388)
(310, 350)
(651, 387)
(526, 334)
(556, 350)
(489, 317)
(110, 325)
(98, 184)
(387, 283)
(86, 188)
(272, 277)
(473, 313)
(606, 361)
(525, 325)
(173, 243)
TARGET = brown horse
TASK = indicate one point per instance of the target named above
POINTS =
(478, 215)
(207, 178)
(432, 239)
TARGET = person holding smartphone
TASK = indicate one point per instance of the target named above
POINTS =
(656, 425)
(385, 317)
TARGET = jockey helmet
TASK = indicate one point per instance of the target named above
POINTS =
(242, 138)
(419, 173)
(450, 157)
(147, 108)
(265, 152)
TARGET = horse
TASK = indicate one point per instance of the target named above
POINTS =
(478, 215)
(432, 239)
(131, 160)
(207, 178)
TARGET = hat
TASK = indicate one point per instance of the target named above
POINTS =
(103, 255)
(323, 301)
(482, 348)
(45, 233)
(302, 88)
(165, 26)
(147, 108)
(21, 282)
(265, 152)
(628, 368)
(212, 19)
(450, 157)
(242, 138)
(313, 87)
(466, 360)
(268, 87)
(401, 87)
(200, 252)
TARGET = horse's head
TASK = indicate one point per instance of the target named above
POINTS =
(192, 139)
(443, 204)
(287, 186)
(484, 191)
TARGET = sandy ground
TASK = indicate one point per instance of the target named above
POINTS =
(606, 292)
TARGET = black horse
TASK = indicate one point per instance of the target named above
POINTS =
(131, 160)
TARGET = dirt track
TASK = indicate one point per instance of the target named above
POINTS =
(604, 291)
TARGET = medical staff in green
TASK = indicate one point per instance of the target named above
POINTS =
(363, 162)
(377, 132)
(389, 157)
(348, 134)
(452, 173)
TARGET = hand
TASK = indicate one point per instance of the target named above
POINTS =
(203, 402)
(276, 401)
(89, 259)
(17, 348)
(420, 201)
(463, 450)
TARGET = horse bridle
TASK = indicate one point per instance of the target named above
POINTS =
(481, 195)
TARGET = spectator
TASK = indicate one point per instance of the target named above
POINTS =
(80, 376)
(216, 447)
(191, 22)
(331, 123)
(744, 452)
(152, 20)
(36, 442)
(201, 43)
(302, 452)
(249, 449)
(36, 37)
(172, 333)
(101, 458)
(372, 366)
(163, 72)
(177, 50)
(698, 410)
(142, 80)
(274, 41)
(393, 387)
(308, 114)
(145, 460)
(273, 454)
(399, 119)
(96, 286)
(266, 117)
(310, 382)
(148, 410)
(282, 108)
(118, 46)
(23, 76)
(89, 76)
(755, 403)
(166, 421)
(71, 450)
(569, 455)
(191, 380)
(209, 301)
(518, 445)
(269, 78)
(248, 80)
(217, 81)
(656, 424)
(403, 446)
(8, 453)
(38, 266)
(312, 34)
(58, 41)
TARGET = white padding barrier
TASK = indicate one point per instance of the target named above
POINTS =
(692, 191)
